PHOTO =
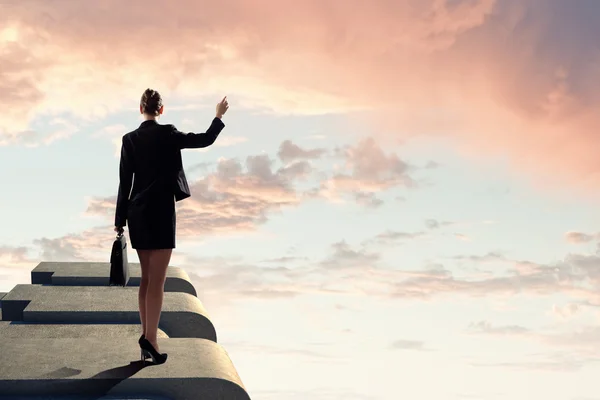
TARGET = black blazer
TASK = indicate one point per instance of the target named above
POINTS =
(151, 167)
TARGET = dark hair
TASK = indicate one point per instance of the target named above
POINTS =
(151, 102)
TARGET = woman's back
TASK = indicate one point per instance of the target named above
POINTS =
(151, 176)
(153, 155)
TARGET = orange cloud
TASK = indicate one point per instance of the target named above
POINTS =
(15, 257)
(234, 197)
(511, 78)
(580, 237)
(90, 245)
(237, 197)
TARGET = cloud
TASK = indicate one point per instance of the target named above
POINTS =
(390, 237)
(235, 197)
(367, 170)
(227, 141)
(552, 362)
(462, 237)
(285, 259)
(289, 151)
(567, 350)
(58, 128)
(15, 256)
(114, 133)
(90, 245)
(231, 197)
(401, 344)
(16, 262)
(581, 339)
(433, 67)
(488, 257)
(487, 328)
(344, 256)
(368, 200)
(579, 237)
(567, 311)
(320, 393)
(341, 272)
(255, 348)
(349, 270)
(575, 276)
(356, 271)
(570, 350)
(435, 224)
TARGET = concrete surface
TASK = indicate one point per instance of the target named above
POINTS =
(71, 336)
(183, 315)
(93, 367)
(58, 397)
(39, 331)
(97, 274)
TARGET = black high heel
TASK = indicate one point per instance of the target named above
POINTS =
(148, 351)
(144, 355)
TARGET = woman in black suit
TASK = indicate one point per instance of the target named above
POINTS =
(151, 181)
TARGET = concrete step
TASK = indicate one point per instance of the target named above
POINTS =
(58, 397)
(95, 367)
(182, 316)
(97, 274)
(23, 330)
(2, 294)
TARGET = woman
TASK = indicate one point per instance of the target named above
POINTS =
(152, 154)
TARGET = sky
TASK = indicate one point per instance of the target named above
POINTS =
(402, 203)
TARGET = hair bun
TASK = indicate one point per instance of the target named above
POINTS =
(151, 102)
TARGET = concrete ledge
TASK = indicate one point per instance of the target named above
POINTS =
(97, 274)
(92, 367)
(58, 397)
(22, 330)
(183, 315)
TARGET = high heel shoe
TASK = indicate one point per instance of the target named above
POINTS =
(144, 355)
(140, 340)
(148, 351)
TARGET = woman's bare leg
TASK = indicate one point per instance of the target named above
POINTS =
(144, 256)
(158, 263)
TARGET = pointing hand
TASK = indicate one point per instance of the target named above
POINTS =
(222, 107)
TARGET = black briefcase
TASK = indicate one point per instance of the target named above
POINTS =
(119, 268)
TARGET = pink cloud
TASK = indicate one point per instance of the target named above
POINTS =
(366, 171)
(90, 245)
(580, 237)
(237, 197)
(494, 75)
(567, 311)
(347, 270)
(15, 256)
(234, 197)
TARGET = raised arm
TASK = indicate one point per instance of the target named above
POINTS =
(125, 182)
(198, 140)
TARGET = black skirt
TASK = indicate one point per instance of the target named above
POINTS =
(152, 224)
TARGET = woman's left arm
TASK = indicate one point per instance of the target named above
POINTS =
(125, 182)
